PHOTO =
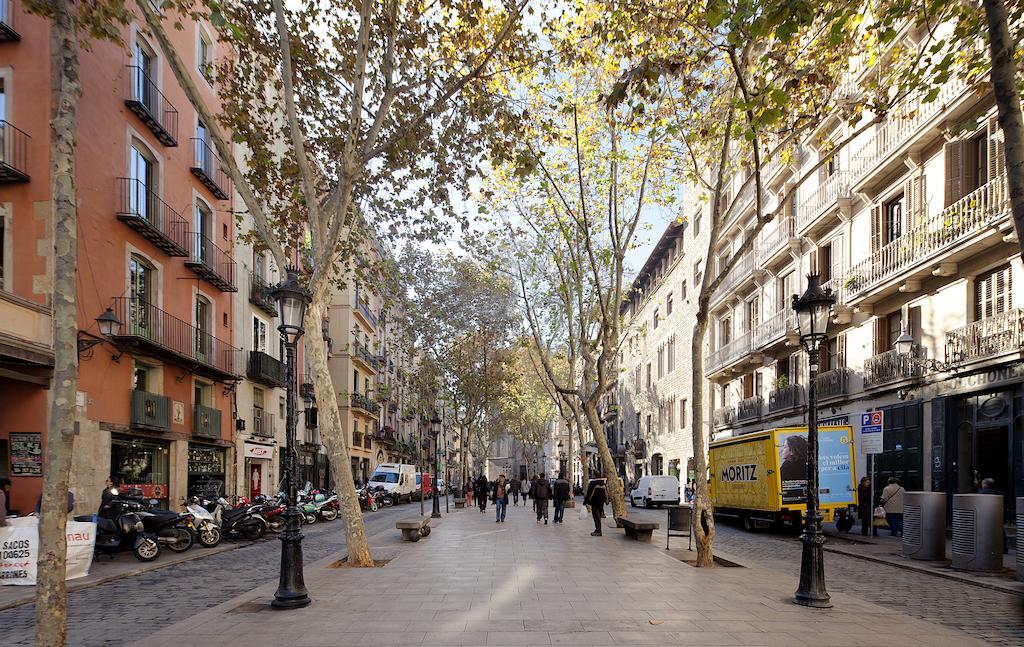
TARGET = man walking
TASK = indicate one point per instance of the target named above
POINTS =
(542, 492)
(499, 494)
(595, 499)
(561, 495)
(480, 492)
(515, 485)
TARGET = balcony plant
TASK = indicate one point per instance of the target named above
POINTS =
(780, 382)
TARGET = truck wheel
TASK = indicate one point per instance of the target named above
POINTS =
(647, 503)
(748, 523)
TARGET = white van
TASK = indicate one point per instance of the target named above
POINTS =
(655, 490)
(397, 478)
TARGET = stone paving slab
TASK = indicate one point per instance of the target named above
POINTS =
(474, 582)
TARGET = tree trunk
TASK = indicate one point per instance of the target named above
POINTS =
(333, 435)
(704, 520)
(615, 489)
(51, 592)
(1004, 83)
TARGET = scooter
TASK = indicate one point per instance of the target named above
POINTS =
(121, 530)
(237, 522)
(328, 508)
(172, 529)
(207, 531)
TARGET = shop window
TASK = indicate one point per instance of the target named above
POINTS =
(205, 471)
(143, 465)
(992, 293)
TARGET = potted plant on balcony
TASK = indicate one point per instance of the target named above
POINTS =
(852, 282)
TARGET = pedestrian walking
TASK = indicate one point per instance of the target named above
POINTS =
(499, 494)
(892, 502)
(595, 499)
(542, 492)
(560, 492)
(481, 492)
(864, 505)
(515, 485)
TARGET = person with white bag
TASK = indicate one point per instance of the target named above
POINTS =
(595, 500)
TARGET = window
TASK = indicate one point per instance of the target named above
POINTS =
(203, 340)
(696, 273)
(142, 378)
(753, 313)
(257, 397)
(671, 353)
(142, 185)
(648, 375)
(355, 380)
(140, 292)
(259, 265)
(655, 318)
(724, 331)
(668, 305)
(201, 394)
(785, 287)
(670, 410)
(203, 224)
(204, 155)
(892, 226)
(204, 56)
(696, 225)
(636, 379)
(260, 332)
(682, 291)
(661, 362)
(143, 76)
(992, 293)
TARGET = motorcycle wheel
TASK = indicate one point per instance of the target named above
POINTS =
(147, 550)
(208, 537)
(329, 514)
(374, 506)
(276, 524)
(185, 541)
(309, 517)
(254, 532)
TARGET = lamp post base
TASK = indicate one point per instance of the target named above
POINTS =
(811, 590)
(291, 589)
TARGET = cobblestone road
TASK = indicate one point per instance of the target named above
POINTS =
(984, 613)
(125, 610)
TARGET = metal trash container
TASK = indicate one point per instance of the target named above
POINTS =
(680, 521)
(978, 532)
(924, 525)
(1020, 538)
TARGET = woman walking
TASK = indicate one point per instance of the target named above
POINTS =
(892, 501)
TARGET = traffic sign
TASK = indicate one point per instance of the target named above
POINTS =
(871, 431)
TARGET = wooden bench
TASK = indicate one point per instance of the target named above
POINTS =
(413, 529)
(460, 502)
(638, 530)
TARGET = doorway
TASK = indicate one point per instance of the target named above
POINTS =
(989, 461)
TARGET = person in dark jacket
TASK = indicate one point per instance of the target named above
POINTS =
(480, 492)
(515, 485)
(864, 510)
(560, 493)
(596, 496)
(499, 494)
(542, 492)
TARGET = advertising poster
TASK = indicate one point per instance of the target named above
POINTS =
(19, 550)
(27, 454)
(834, 484)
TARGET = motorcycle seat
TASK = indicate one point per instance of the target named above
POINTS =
(106, 525)
(234, 514)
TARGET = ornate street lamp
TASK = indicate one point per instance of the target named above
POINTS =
(292, 300)
(813, 311)
(435, 431)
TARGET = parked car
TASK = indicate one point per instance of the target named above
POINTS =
(655, 490)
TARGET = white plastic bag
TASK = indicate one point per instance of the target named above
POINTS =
(584, 512)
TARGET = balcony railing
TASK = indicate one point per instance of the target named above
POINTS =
(1003, 333)
(13, 154)
(728, 353)
(209, 170)
(159, 333)
(264, 425)
(147, 214)
(901, 124)
(306, 389)
(266, 369)
(364, 355)
(151, 411)
(749, 408)
(832, 384)
(261, 294)
(7, 32)
(741, 271)
(151, 106)
(364, 310)
(823, 198)
(724, 416)
(785, 398)
(891, 366)
(211, 262)
(205, 421)
(774, 328)
(968, 216)
(360, 401)
(775, 239)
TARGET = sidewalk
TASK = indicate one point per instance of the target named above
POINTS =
(474, 582)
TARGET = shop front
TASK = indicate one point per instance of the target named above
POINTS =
(258, 461)
(206, 476)
(142, 464)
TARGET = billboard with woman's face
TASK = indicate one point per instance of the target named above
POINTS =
(834, 484)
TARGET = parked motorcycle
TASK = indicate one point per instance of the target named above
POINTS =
(327, 509)
(272, 511)
(367, 501)
(121, 529)
(245, 523)
(206, 529)
(383, 497)
(172, 529)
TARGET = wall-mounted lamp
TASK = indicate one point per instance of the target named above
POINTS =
(109, 326)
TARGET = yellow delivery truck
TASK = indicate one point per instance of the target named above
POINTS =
(761, 478)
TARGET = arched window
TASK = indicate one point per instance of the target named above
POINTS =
(141, 281)
(204, 338)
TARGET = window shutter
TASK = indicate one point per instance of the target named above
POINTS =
(996, 154)
(876, 227)
(954, 154)
(840, 360)
(880, 336)
(913, 192)
(837, 257)
(914, 323)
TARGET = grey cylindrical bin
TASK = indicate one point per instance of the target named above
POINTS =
(1020, 538)
(978, 532)
(924, 525)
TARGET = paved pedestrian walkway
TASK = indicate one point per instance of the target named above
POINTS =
(475, 582)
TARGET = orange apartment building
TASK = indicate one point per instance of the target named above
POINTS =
(154, 246)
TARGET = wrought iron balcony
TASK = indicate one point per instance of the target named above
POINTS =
(211, 262)
(146, 213)
(266, 369)
(724, 416)
(363, 354)
(306, 389)
(749, 408)
(729, 353)
(774, 328)
(972, 214)
(14, 152)
(264, 425)
(205, 421)
(363, 309)
(360, 401)
(891, 366)
(823, 199)
(988, 337)
(209, 170)
(832, 384)
(7, 32)
(158, 333)
(785, 398)
(774, 240)
(150, 411)
(151, 106)
(260, 294)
